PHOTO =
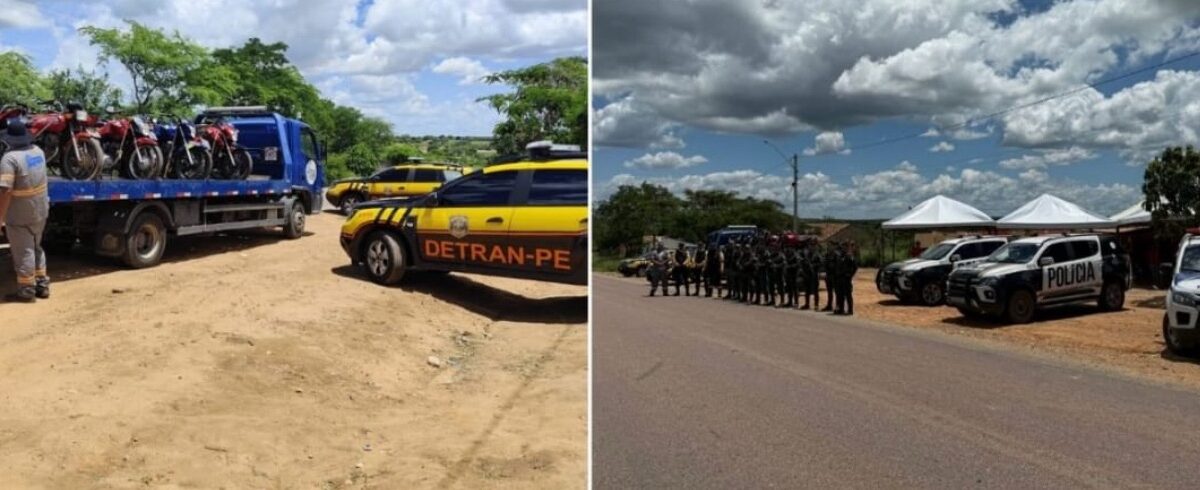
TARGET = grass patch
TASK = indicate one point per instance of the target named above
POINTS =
(602, 262)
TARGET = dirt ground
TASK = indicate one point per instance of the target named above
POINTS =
(1128, 341)
(250, 361)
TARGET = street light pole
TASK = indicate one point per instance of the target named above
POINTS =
(795, 193)
(794, 162)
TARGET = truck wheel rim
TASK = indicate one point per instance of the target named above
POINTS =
(348, 203)
(298, 220)
(146, 242)
(377, 258)
(1021, 307)
(1171, 338)
(931, 293)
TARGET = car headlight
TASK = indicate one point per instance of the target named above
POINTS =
(1184, 299)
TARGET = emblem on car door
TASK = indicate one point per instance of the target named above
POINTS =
(458, 226)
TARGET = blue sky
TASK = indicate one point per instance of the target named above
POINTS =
(687, 101)
(414, 63)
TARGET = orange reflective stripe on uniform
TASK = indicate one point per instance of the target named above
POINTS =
(26, 281)
(40, 273)
(35, 191)
(7, 179)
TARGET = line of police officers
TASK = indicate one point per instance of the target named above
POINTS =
(761, 270)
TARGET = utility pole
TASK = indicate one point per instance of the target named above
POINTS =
(795, 193)
(794, 162)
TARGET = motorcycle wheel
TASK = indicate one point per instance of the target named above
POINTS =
(143, 163)
(86, 165)
(242, 163)
(197, 169)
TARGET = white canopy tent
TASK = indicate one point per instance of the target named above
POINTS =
(1048, 212)
(1133, 215)
(940, 212)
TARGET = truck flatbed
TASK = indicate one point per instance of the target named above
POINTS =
(70, 191)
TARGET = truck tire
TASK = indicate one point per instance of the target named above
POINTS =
(1176, 342)
(294, 227)
(347, 202)
(145, 242)
(1112, 297)
(1020, 307)
(932, 294)
(383, 258)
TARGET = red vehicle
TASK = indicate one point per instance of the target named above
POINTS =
(229, 160)
(132, 146)
(68, 143)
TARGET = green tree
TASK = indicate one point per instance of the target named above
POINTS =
(85, 87)
(634, 212)
(21, 81)
(263, 75)
(549, 102)
(1172, 188)
(169, 73)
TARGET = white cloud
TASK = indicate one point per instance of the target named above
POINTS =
(828, 142)
(627, 123)
(785, 66)
(470, 71)
(20, 14)
(1139, 120)
(887, 193)
(1045, 158)
(942, 147)
(665, 160)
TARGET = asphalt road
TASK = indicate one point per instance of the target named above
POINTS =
(702, 393)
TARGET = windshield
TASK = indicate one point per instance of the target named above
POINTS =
(1191, 259)
(938, 251)
(1014, 253)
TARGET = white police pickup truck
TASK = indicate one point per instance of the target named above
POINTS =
(1041, 272)
(923, 279)
(1183, 300)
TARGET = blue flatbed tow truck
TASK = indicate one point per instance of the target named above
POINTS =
(132, 219)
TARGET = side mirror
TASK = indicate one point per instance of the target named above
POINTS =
(1045, 261)
(955, 258)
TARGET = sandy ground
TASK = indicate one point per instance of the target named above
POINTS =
(1128, 341)
(250, 361)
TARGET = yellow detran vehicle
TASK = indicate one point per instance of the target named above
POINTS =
(523, 219)
(410, 179)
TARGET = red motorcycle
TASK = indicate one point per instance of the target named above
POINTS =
(64, 136)
(132, 146)
(229, 160)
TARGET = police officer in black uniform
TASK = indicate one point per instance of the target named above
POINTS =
(696, 270)
(712, 272)
(847, 267)
(791, 276)
(679, 272)
(812, 276)
(831, 273)
(657, 272)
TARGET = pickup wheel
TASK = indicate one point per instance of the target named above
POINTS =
(1177, 342)
(383, 258)
(294, 228)
(1020, 307)
(145, 242)
(932, 293)
(348, 201)
(1112, 297)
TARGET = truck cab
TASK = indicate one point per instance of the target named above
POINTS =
(923, 279)
(282, 149)
(1183, 300)
(1042, 272)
